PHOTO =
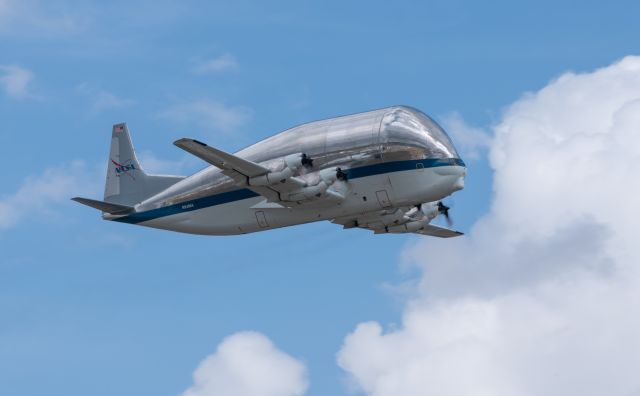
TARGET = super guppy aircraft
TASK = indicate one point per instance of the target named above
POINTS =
(384, 170)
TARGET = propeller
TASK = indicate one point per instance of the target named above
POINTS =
(444, 210)
(341, 175)
(306, 161)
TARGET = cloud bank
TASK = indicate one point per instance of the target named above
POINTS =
(40, 195)
(211, 115)
(542, 296)
(471, 141)
(101, 100)
(16, 81)
(220, 64)
(248, 364)
(37, 18)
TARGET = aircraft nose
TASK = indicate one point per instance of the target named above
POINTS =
(458, 184)
(452, 170)
(454, 176)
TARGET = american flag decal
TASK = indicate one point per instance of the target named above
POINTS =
(119, 128)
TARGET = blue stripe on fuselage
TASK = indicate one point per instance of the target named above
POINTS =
(397, 166)
(244, 193)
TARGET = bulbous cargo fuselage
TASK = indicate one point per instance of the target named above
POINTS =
(392, 157)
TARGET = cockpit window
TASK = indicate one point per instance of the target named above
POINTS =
(410, 127)
(439, 136)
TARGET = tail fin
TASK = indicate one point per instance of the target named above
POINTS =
(127, 183)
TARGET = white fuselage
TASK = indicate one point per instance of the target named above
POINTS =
(393, 157)
(366, 194)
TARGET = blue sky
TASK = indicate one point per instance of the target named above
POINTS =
(94, 307)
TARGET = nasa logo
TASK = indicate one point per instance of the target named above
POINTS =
(120, 168)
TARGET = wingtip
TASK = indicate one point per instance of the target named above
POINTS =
(199, 142)
(180, 141)
(184, 141)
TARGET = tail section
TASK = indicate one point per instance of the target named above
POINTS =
(127, 183)
(105, 207)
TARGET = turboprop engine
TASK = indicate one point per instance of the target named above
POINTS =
(419, 216)
(321, 184)
(296, 187)
(288, 167)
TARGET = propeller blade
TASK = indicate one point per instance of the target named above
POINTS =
(449, 221)
(341, 175)
(444, 210)
(306, 161)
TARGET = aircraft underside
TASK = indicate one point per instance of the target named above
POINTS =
(384, 170)
(374, 202)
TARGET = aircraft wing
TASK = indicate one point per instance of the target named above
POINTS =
(221, 159)
(239, 169)
(439, 232)
(393, 222)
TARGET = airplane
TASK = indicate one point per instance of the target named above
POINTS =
(384, 170)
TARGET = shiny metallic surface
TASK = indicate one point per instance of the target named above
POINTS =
(406, 133)
(323, 139)
(390, 134)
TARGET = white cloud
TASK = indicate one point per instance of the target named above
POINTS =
(471, 141)
(15, 81)
(4, 8)
(37, 18)
(541, 298)
(220, 64)
(248, 364)
(185, 165)
(101, 100)
(39, 195)
(211, 115)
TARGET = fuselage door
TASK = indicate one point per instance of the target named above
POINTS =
(383, 198)
(262, 220)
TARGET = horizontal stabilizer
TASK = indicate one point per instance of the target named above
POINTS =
(438, 231)
(221, 159)
(106, 207)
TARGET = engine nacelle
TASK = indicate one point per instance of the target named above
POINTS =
(294, 161)
(290, 164)
(430, 210)
(327, 177)
(411, 226)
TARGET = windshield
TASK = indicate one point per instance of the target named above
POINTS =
(411, 127)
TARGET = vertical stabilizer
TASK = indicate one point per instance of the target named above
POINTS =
(127, 183)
